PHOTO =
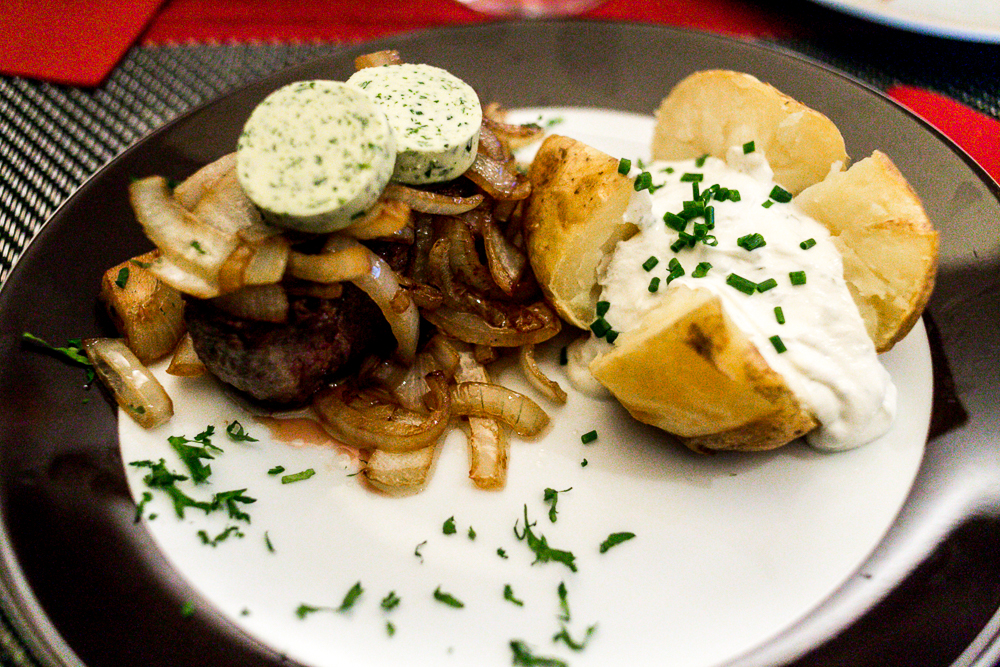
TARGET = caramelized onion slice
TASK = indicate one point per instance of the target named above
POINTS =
(489, 446)
(498, 179)
(185, 362)
(378, 58)
(482, 399)
(435, 203)
(385, 219)
(148, 313)
(191, 190)
(399, 473)
(471, 328)
(262, 303)
(334, 266)
(549, 387)
(365, 422)
(133, 386)
(382, 284)
(182, 237)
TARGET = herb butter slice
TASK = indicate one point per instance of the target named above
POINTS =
(315, 154)
(434, 115)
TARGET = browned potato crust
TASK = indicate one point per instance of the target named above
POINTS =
(707, 112)
(574, 219)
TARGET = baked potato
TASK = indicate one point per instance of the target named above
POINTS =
(714, 388)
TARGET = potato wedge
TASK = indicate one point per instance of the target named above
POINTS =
(573, 219)
(709, 111)
(689, 370)
(888, 244)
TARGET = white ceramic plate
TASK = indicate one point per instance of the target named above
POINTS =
(729, 550)
(973, 20)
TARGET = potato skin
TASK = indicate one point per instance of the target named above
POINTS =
(709, 111)
(573, 219)
(688, 369)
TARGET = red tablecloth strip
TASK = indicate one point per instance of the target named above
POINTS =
(350, 21)
(77, 42)
(977, 133)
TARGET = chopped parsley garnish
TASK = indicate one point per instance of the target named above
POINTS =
(449, 526)
(472, 533)
(237, 433)
(298, 476)
(390, 601)
(797, 277)
(221, 537)
(447, 598)
(416, 551)
(229, 500)
(141, 505)
(563, 636)
(159, 477)
(187, 609)
(614, 539)
(538, 544)
(502, 553)
(563, 601)
(268, 543)
(191, 455)
(508, 595)
(304, 610)
(523, 656)
(122, 278)
(72, 352)
(551, 496)
(352, 596)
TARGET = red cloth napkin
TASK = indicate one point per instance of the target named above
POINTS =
(976, 133)
(356, 20)
(69, 41)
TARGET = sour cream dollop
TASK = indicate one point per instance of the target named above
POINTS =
(827, 360)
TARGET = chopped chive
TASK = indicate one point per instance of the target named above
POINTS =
(643, 181)
(588, 437)
(700, 230)
(808, 243)
(710, 217)
(351, 597)
(654, 284)
(563, 355)
(748, 148)
(701, 270)
(692, 177)
(695, 191)
(675, 222)
(602, 308)
(678, 245)
(768, 204)
(624, 166)
(668, 170)
(770, 283)
(447, 598)
(778, 345)
(734, 195)
(650, 263)
(741, 283)
(611, 336)
(779, 315)
(710, 240)
(797, 277)
(122, 278)
(780, 195)
(721, 194)
(700, 162)
(600, 327)
(676, 270)
(751, 241)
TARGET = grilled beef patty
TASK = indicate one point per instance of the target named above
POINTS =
(285, 364)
